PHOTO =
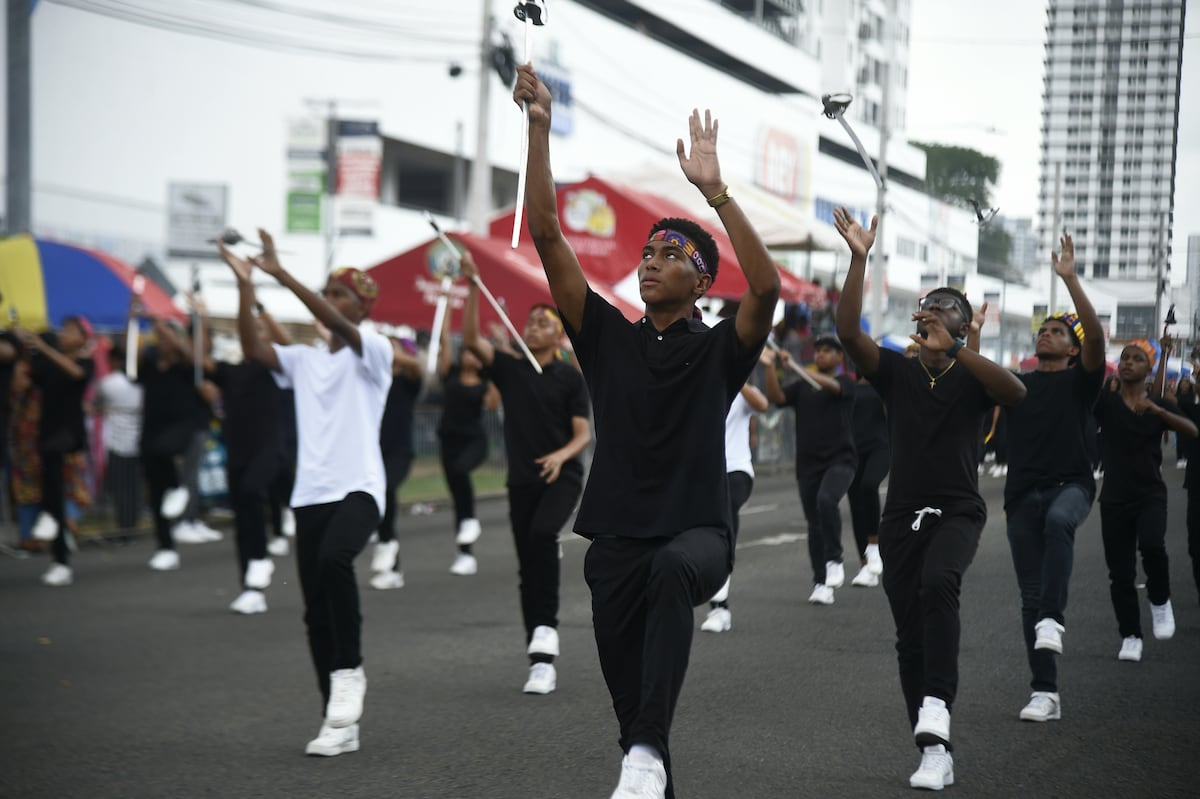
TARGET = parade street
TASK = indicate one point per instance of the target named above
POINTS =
(136, 683)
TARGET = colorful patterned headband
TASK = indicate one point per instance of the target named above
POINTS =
(1145, 346)
(684, 243)
(548, 311)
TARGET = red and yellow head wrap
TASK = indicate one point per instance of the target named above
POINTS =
(359, 282)
(1145, 346)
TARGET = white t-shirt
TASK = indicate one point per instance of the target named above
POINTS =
(737, 437)
(122, 404)
(339, 405)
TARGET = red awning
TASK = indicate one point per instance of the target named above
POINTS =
(607, 223)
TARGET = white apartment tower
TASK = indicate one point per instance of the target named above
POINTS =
(1109, 134)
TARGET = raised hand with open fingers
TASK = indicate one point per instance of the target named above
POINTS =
(701, 166)
(859, 240)
(1064, 265)
(268, 260)
(240, 266)
(937, 337)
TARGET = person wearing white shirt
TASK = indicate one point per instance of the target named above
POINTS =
(120, 401)
(338, 497)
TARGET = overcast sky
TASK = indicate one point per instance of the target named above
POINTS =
(975, 79)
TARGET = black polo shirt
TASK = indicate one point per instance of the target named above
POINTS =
(934, 435)
(1132, 449)
(824, 437)
(538, 410)
(659, 401)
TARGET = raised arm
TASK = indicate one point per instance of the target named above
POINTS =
(325, 313)
(862, 348)
(276, 331)
(703, 170)
(472, 340)
(404, 364)
(34, 342)
(975, 329)
(253, 347)
(445, 359)
(568, 285)
(1002, 385)
(1091, 353)
(1165, 344)
(770, 360)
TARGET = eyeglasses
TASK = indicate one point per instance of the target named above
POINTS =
(943, 302)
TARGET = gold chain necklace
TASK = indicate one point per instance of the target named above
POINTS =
(932, 379)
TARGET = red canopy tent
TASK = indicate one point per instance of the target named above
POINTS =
(607, 224)
(409, 282)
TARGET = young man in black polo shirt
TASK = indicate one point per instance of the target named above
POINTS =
(1050, 485)
(933, 514)
(546, 429)
(657, 502)
(825, 457)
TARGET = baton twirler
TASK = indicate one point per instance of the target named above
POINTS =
(537, 367)
(131, 331)
(531, 13)
(797, 368)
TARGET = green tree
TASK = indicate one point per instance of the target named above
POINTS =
(958, 175)
(995, 251)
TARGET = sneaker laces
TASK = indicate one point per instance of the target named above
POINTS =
(340, 689)
(922, 513)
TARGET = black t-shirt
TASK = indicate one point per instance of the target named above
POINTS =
(1131, 449)
(660, 402)
(934, 434)
(1048, 431)
(869, 421)
(462, 407)
(6, 376)
(1191, 446)
(824, 437)
(286, 416)
(538, 410)
(396, 427)
(61, 425)
(251, 400)
(172, 408)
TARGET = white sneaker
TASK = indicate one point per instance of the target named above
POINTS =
(936, 770)
(174, 502)
(874, 561)
(1164, 620)
(332, 741)
(543, 679)
(248, 602)
(279, 547)
(187, 533)
(208, 534)
(933, 723)
(347, 687)
(1043, 706)
(464, 565)
(258, 573)
(469, 531)
(45, 528)
(544, 641)
(165, 560)
(835, 575)
(58, 575)
(719, 620)
(865, 578)
(287, 522)
(1131, 649)
(641, 782)
(1049, 635)
(384, 559)
(1181, 463)
(384, 581)
(821, 595)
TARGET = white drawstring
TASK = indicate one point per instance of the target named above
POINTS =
(922, 513)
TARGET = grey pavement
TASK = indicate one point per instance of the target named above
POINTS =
(133, 683)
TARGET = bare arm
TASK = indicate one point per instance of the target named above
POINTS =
(755, 398)
(1091, 353)
(252, 347)
(445, 360)
(278, 334)
(491, 397)
(1001, 385)
(774, 391)
(975, 330)
(861, 347)
(61, 361)
(471, 339)
(551, 462)
(403, 364)
(568, 285)
(1180, 424)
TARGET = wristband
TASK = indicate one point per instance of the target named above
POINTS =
(955, 347)
(720, 199)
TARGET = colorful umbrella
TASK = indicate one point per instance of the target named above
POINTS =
(45, 282)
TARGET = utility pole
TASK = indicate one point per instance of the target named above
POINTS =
(1160, 257)
(17, 195)
(1054, 233)
(329, 229)
(879, 273)
(479, 200)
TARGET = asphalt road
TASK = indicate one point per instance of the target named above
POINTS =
(133, 683)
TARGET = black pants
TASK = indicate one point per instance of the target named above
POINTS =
(125, 486)
(281, 493)
(161, 476)
(396, 466)
(538, 512)
(460, 457)
(328, 538)
(819, 497)
(250, 482)
(863, 495)
(740, 486)
(643, 594)
(922, 576)
(1127, 527)
(1193, 530)
(54, 502)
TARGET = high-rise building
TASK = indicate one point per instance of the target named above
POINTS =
(1193, 286)
(1109, 136)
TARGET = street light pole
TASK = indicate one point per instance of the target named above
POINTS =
(479, 199)
(879, 273)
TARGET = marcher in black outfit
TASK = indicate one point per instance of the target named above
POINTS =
(61, 369)
(463, 441)
(546, 430)
(933, 515)
(1050, 486)
(873, 448)
(657, 502)
(1133, 498)
(1189, 407)
(825, 459)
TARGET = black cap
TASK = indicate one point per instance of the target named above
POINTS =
(828, 340)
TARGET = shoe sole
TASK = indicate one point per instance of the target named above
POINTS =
(1033, 718)
(334, 752)
(1048, 646)
(948, 781)
(538, 691)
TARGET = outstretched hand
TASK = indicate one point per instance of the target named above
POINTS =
(528, 89)
(467, 263)
(701, 167)
(860, 240)
(240, 266)
(937, 337)
(1064, 266)
(978, 320)
(268, 260)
